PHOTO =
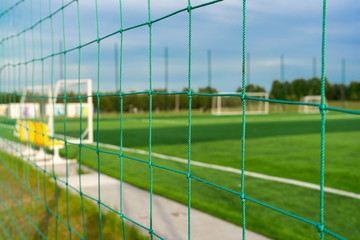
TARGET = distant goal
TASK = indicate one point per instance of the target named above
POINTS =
(232, 105)
(310, 99)
(51, 106)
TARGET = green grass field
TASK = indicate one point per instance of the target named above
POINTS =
(24, 215)
(283, 145)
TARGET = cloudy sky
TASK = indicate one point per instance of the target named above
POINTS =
(274, 28)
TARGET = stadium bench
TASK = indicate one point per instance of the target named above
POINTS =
(36, 133)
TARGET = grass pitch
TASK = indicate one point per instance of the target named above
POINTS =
(283, 145)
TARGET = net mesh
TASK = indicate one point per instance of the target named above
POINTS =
(28, 58)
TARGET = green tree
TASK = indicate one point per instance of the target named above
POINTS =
(354, 90)
(252, 88)
(314, 86)
(276, 91)
(300, 87)
(204, 102)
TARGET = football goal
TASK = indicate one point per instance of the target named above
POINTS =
(52, 105)
(227, 104)
(308, 108)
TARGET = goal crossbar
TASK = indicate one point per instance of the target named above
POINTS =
(308, 108)
(261, 108)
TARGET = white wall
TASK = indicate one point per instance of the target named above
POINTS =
(4, 109)
(58, 107)
(24, 110)
(73, 109)
(29, 110)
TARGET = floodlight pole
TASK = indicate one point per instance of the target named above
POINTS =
(90, 111)
(116, 66)
(61, 61)
(166, 69)
(343, 62)
(282, 77)
(248, 68)
(314, 67)
(282, 72)
(209, 68)
(209, 75)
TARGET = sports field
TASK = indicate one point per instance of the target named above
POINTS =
(281, 145)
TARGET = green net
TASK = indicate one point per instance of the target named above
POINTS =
(30, 190)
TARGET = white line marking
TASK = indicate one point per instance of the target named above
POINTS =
(158, 121)
(238, 171)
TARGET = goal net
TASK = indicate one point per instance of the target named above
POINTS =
(226, 104)
(52, 109)
(310, 99)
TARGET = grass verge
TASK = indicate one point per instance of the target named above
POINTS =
(32, 206)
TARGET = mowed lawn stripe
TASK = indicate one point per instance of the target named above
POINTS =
(275, 146)
(341, 216)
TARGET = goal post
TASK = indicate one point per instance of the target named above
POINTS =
(308, 108)
(76, 109)
(52, 108)
(227, 104)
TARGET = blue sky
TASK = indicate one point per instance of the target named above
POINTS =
(274, 28)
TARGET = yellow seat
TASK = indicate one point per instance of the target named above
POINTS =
(42, 138)
(21, 130)
(40, 134)
(35, 133)
(31, 131)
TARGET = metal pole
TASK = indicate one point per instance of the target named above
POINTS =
(209, 68)
(166, 59)
(314, 67)
(61, 61)
(116, 66)
(282, 78)
(282, 69)
(248, 68)
(343, 82)
(209, 77)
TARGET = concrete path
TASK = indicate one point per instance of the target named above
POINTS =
(169, 217)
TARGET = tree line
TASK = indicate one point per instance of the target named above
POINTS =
(288, 90)
(294, 90)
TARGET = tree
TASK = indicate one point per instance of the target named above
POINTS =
(252, 88)
(314, 86)
(277, 90)
(204, 102)
(354, 90)
(294, 90)
(300, 87)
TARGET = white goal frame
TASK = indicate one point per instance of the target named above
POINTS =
(216, 108)
(87, 136)
(308, 108)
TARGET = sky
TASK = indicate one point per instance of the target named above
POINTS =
(292, 29)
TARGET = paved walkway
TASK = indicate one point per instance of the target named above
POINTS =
(170, 219)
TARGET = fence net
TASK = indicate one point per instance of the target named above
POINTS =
(29, 34)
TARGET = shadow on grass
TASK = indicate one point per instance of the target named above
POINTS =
(139, 137)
